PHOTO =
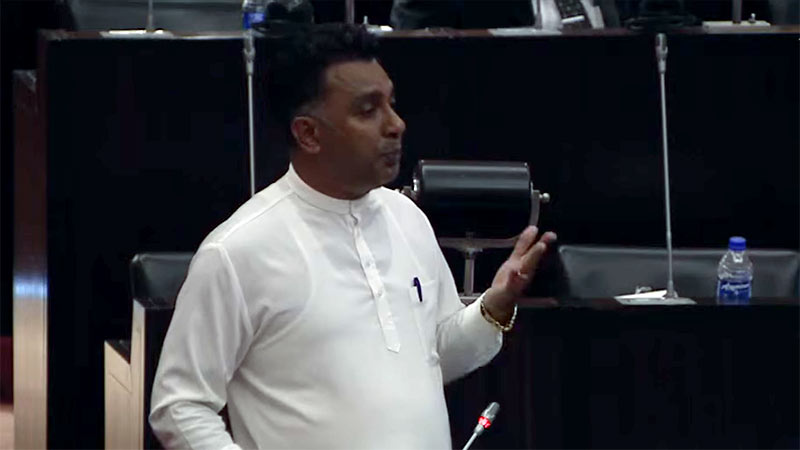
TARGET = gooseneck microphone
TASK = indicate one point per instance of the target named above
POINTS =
(484, 422)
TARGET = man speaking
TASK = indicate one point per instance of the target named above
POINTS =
(322, 312)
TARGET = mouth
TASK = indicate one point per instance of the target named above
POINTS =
(392, 156)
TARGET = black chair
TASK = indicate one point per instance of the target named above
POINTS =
(130, 366)
(602, 272)
(171, 15)
(159, 275)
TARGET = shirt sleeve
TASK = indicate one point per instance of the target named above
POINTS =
(465, 339)
(207, 339)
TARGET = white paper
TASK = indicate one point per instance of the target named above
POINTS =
(652, 298)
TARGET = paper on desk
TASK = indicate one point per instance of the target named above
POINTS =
(522, 31)
(652, 298)
(137, 34)
(644, 295)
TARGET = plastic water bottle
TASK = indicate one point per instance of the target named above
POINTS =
(735, 274)
(253, 12)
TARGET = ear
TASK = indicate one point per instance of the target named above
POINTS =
(306, 134)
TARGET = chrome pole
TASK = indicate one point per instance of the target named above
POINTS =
(150, 26)
(249, 58)
(661, 56)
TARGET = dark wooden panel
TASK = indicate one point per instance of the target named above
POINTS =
(584, 112)
(145, 151)
(30, 288)
(582, 376)
(19, 22)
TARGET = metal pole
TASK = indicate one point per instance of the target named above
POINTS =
(469, 271)
(249, 58)
(737, 11)
(661, 56)
(149, 27)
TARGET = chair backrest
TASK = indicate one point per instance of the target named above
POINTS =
(172, 15)
(595, 271)
(156, 279)
(159, 275)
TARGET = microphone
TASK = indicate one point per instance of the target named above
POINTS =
(484, 422)
(661, 52)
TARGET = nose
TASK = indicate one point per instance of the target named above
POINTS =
(395, 126)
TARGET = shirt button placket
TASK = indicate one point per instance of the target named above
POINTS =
(376, 286)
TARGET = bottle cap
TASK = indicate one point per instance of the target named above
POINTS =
(737, 243)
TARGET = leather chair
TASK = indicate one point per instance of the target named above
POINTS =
(130, 366)
(159, 275)
(171, 15)
(595, 271)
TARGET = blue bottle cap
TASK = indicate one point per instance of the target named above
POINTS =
(737, 243)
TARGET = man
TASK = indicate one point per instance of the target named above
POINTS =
(412, 14)
(322, 311)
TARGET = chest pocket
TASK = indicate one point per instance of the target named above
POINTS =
(424, 301)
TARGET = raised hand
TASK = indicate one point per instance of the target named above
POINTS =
(516, 273)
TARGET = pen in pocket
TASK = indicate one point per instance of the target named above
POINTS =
(419, 288)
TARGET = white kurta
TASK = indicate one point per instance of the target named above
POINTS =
(301, 313)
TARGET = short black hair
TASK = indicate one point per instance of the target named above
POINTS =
(295, 72)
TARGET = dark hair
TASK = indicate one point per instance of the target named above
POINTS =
(295, 71)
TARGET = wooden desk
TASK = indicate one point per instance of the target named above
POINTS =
(596, 374)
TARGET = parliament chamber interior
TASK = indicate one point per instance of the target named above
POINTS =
(132, 128)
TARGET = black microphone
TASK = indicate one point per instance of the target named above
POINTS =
(484, 422)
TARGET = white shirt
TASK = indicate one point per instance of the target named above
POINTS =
(551, 18)
(300, 312)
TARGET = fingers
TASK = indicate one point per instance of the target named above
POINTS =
(526, 239)
(531, 258)
(548, 238)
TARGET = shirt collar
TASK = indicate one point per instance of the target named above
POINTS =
(325, 202)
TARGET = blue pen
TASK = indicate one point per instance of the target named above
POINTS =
(419, 288)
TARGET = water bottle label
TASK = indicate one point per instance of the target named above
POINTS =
(251, 18)
(733, 291)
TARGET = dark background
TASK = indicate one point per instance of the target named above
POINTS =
(22, 18)
(146, 151)
(140, 159)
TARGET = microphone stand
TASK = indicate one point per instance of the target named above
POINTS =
(149, 27)
(470, 441)
(484, 423)
(249, 59)
(661, 57)
(671, 296)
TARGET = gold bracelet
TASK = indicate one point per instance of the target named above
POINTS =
(504, 328)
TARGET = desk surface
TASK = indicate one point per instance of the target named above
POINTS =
(606, 304)
(448, 33)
